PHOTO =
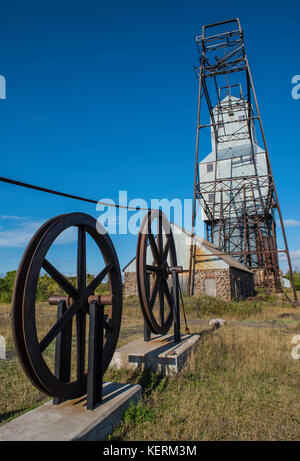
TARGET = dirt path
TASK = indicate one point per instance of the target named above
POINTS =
(243, 323)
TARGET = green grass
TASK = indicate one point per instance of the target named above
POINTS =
(204, 306)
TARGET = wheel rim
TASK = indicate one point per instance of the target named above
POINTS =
(79, 306)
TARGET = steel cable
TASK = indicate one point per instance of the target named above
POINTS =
(64, 194)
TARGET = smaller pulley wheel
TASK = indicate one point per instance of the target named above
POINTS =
(155, 255)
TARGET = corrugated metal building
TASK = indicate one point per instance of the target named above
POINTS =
(216, 274)
(234, 189)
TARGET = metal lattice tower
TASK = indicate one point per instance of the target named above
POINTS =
(234, 185)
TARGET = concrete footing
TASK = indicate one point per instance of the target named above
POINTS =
(161, 354)
(71, 420)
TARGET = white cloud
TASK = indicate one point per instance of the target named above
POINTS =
(68, 236)
(18, 234)
(19, 218)
(290, 223)
(295, 255)
(295, 259)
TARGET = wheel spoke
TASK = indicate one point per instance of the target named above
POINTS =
(60, 279)
(166, 248)
(159, 235)
(161, 305)
(81, 316)
(154, 291)
(154, 248)
(168, 294)
(59, 325)
(151, 268)
(81, 258)
(98, 279)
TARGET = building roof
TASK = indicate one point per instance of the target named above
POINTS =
(232, 262)
(232, 151)
(208, 254)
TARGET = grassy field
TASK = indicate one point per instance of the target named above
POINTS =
(241, 383)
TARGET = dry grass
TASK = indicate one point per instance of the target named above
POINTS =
(241, 384)
(17, 395)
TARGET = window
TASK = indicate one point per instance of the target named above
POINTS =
(210, 167)
(211, 197)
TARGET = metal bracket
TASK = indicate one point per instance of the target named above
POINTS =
(95, 352)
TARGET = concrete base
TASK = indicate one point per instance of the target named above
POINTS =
(71, 420)
(160, 354)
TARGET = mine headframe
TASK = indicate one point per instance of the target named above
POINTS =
(234, 185)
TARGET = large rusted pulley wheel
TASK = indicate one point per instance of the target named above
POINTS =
(155, 255)
(33, 343)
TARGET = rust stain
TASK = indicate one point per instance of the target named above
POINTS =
(206, 260)
(162, 341)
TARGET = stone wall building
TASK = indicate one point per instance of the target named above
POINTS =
(216, 273)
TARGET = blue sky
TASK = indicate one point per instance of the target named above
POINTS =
(101, 97)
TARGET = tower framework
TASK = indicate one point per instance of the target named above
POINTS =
(234, 185)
